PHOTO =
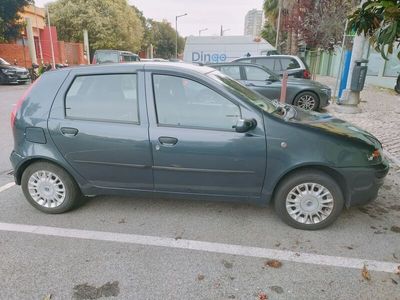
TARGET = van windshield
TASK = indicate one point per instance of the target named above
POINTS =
(106, 57)
(243, 92)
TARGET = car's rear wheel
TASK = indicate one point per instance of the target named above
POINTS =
(307, 101)
(309, 200)
(49, 188)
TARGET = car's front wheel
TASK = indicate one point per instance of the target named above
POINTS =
(307, 101)
(309, 200)
(49, 188)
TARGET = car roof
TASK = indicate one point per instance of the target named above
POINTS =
(270, 56)
(113, 50)
(238, 63)
(162, 66)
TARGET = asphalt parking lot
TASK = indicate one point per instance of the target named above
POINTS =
(135, 248)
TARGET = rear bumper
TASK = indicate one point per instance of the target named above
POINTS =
(16, 162)
(363, 183)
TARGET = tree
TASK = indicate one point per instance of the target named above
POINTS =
(323, 22)
(380, 20)
(10, 22)
(163, 38)
(111, 24)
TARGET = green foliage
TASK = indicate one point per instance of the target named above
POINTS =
(11, 24)
(380, 20)
(269, 33)
(163, 38)
(111, 24)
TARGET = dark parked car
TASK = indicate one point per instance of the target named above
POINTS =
(307, 94)
(179, 130)
(12, 74)
(293, 65)
(114, 56)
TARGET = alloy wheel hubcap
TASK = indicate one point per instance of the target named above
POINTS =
(46, 189)
(309, 203)
(306, 102)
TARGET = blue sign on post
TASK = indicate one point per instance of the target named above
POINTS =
(345, 74)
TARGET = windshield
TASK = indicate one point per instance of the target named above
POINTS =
(243, 92)
(4, 62)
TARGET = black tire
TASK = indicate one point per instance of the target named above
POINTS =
(397, 88)
(72, 193)
(300, 98)
(308, 176)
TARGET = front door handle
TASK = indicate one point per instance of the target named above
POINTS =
(68, 131)
(167, 140)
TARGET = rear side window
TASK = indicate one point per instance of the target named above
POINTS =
(289, 63)
(256, 74)
(269, 63)
(231, 71)
(111, 97)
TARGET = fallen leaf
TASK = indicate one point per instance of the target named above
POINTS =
(365, 273)
(273, 263)
(48, 297)
(262, 296)
(200, 277)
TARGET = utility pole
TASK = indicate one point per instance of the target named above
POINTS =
(350, 99)
(86, 45)
(176, 34)
(224, 30)
(278, 28)
(51, 38)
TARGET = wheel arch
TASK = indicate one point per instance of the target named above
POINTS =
(336, 176)
(21, 169)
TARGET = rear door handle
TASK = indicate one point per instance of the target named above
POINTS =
(167, 140)
(68, 131)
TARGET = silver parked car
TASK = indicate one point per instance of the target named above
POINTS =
(307, 94)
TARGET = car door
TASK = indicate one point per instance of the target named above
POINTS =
(259, 80)
(195, 149)
(99, 124)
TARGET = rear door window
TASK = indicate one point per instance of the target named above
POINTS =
(111, 97)
(289, 64)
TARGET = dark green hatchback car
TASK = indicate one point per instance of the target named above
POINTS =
(186, 131)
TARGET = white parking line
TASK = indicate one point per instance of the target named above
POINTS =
(6, 186)
(297, 257)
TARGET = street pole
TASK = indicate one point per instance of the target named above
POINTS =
(278, 28)
(176, 33)
(201, 30)
(350, 99)
(86, 45)
(51, 38)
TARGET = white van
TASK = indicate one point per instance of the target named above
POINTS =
(219, 49)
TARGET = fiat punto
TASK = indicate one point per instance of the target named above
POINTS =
(179, 130)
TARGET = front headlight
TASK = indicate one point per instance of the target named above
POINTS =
(326, 91)
(9, 72)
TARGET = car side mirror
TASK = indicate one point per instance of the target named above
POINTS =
(244, 125)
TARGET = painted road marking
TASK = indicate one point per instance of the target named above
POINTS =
(297, 257)
(6, 186)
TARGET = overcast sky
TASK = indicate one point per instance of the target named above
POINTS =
(209, 14)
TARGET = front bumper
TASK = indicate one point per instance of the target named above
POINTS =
(15, 78)
(363, 183)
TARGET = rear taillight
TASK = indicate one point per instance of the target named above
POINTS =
(20, 101)
(306, 74)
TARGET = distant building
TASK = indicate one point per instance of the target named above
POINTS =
(253, 22)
